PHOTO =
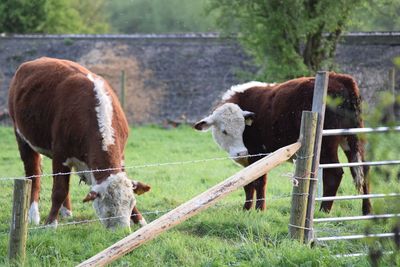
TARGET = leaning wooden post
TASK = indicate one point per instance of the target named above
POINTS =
(319, 103)
(192, 207)
(19, 221)
(302, 175)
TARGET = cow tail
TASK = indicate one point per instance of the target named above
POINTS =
(356, 154)
(356, 144)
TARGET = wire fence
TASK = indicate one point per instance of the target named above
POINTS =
(149, 165)
(353, 234)
(155, 212)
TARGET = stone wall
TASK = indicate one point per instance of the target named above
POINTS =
(180, 77)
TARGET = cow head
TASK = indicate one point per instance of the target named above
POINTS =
(228, 122)
(113, 200)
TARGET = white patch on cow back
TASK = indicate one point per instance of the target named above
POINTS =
(33, 214)
(37, 149)
(240, 88)
(116, 200)
(104, 111)
(80, 166)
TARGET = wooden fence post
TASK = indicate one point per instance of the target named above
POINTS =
(302, 175)
(319, 103)
(192, 207)
(19, 222)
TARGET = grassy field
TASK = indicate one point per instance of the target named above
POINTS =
(223, 235)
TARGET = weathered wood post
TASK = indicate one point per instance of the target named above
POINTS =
(192, 207)
(302, 175)
(319, 103)
(122, 82)
(19, 221)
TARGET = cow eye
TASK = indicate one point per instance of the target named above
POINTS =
(225, 132)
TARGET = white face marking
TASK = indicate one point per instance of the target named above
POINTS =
(35, 148)
(80, 166)
(104, 111)
(228, 125)
(240, 88)
(33, 215)
(115, 199)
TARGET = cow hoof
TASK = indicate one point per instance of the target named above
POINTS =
(33, 214)
(53, 224)
(64, 212)
(142, 222)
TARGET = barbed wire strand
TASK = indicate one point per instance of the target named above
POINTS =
(132, 167)
(42, 227)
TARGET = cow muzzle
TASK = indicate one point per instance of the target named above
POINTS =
(241, 158)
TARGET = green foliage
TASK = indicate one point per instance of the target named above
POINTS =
(52, 16)
(223, 235)
(288, 38)
(376, 15)
(159, 16)
(17, 16)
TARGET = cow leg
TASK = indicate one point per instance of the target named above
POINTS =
(137, 217)
(32, 161)
(261, 185)
(249, 191)
(355, 153)
(60, 190)
(331, 177)
(331, 180)
(366, 203)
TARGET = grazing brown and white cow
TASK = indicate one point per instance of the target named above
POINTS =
(258, 118)
(62, 110)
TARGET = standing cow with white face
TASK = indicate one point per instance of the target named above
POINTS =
(62, 110)
(256, 118)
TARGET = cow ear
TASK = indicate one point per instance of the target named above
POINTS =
(204, 124)
(248, 117)
(91, 196)
(140, 188)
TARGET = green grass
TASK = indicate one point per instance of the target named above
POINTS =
(223, 235)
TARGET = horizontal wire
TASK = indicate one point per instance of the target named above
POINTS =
(143, 213)
(133, 167)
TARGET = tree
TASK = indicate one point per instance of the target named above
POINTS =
(376, 15)
(17, 16)
(159, 16)
(288, 38)
(52, 16)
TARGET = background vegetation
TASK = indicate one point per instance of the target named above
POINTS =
(286, 38)
(223, 235)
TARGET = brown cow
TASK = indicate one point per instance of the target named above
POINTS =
(64, 111)
(258, 118)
